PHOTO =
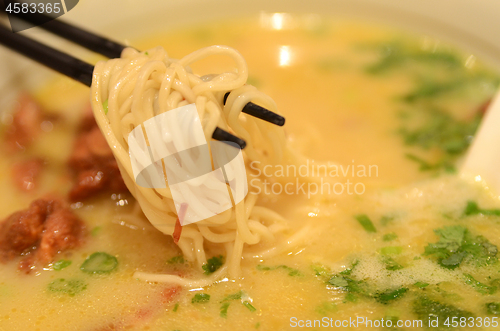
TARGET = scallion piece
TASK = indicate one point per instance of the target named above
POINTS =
(249, 306)
(366, 223)
(99, 263)
(200, 298)
(105, 106)
(67, 286)
(61, 264)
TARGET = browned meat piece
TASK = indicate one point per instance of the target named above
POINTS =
(39, 233)
(25, 173)
(93, 163)
(63, 230)
(87, 183)
(87, 122)
(90, 148)
(22, 230)
(25, 125)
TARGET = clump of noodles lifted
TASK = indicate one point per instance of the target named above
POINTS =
(141, 85)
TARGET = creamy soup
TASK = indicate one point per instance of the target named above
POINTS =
(395, 239)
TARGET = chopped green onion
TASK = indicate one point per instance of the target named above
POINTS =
(213, 264)
(200, 298)
(366, 223)
(67, 286)
(426, 309)
(249, 306)
(388, 296)
(99, 263)
(176, 260)
(348, 271)
(493, 308)
(478, 286)
(338, 281)
(472, 208)
(223, 309)
(105, 106)
(391, 250)
(391, 265)
(421, 284)
(61, 264)
(291, 271)
(236, 296)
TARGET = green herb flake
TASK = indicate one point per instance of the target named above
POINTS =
(493, 308)
(291, 271)
(223, 309)
(441, 133)
(350, 297)
(428, 89)
(99, 263)
(176, 307)
(320, 271)
(429, 310)
(213, 264)
(235, 296)
(421, 284)
(444, 164)
(366, 223)
(105, 106)
(349, 270)
(388, 296)
(347, 284)
(67, 286)
(249, 306)
(176, 260)
(391, 250)
(263, 267)
(61, 264)
(472, 208)
(454, 260)
(391, 265)
(478, 286)
(390, 236)
(456, 243)
(397, 54)
(200, 298)
(338, 281)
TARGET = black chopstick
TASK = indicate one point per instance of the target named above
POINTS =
(72, 67)
(222, 135)
(89, 40)
(61, 62)
(113, 49)
(260, 112)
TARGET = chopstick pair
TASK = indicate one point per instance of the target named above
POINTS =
(82, 71)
